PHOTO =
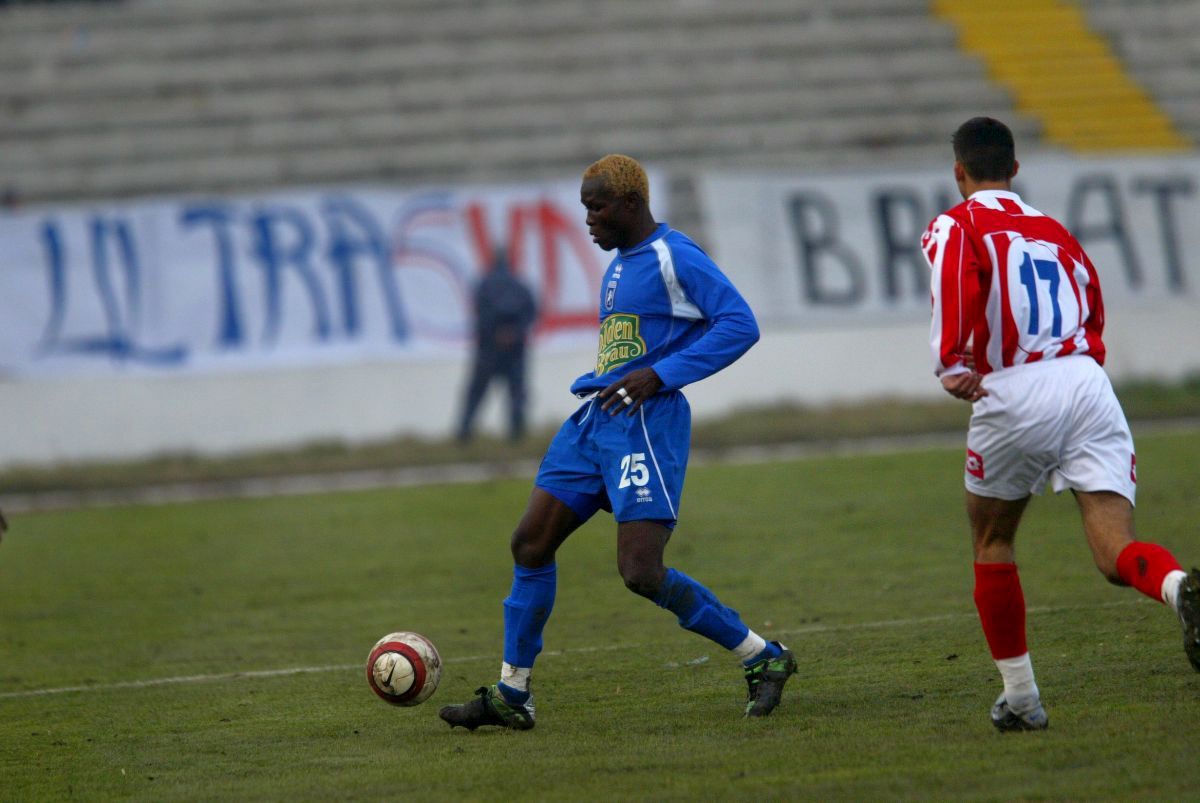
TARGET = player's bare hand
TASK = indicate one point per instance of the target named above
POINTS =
(630, 391)
(967, 386)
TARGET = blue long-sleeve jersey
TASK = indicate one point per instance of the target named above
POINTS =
(665, 304)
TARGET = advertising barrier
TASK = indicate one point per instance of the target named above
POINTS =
(135, 329)
(810, 250)
(176, 286)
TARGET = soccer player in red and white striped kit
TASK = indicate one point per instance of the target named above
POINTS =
(1017, 325)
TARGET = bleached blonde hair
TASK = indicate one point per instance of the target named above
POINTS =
(622, 174)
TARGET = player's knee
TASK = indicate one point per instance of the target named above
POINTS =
(643, 580)
(992, 546)
(641, 585)
(528, 549)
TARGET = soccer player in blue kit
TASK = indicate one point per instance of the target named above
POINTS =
(668, 317)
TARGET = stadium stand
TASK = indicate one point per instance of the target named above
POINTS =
(108, 100)
(1064, 73)
(149, 96)
(1159, 41)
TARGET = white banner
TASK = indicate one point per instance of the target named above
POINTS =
(820, 250)
(298, 277)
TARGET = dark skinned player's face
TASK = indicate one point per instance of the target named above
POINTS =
(611, 220)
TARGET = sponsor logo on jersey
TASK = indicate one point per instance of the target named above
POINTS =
(1133, 468)
(974, 464)
(643, 495)
(620, 341)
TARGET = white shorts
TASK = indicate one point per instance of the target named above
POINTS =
(1056, 421)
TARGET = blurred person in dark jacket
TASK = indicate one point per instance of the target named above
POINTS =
(505, 312)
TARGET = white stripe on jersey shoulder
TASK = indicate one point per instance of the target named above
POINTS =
(681, 305)
(991, 199)
(938, 232)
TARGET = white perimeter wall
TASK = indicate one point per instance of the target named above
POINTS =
(48, 421)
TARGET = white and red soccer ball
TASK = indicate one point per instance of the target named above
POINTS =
(404, 668)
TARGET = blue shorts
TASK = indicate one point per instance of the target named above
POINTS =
(631, 465)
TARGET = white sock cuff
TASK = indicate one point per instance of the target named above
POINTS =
(1170, 588)
(751, 646)
(515, 677)
(1019, 685)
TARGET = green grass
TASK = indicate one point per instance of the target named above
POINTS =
(860, 564)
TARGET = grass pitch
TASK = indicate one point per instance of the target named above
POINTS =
(216, 649)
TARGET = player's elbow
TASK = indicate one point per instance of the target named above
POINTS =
(755, 334)
(749, 330)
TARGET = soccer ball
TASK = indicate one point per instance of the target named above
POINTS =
(404, 668)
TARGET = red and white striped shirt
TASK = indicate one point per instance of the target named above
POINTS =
(1011, 284)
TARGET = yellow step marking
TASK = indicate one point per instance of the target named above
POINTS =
(1061, 73)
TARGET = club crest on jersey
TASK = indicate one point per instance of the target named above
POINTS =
(620, 341)
(610, 290)
(974, 464)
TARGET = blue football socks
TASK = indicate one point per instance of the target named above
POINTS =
(700, 611)
(526, 610)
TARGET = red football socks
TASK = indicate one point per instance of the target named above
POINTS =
(1145, 566)
(1001, 606)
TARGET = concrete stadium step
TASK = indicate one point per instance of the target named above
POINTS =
(430, 14)
(122, 73)
(749, 105)
(521, 80)
(150, 96)
(540, 153)
(263, 25)
(849, 76)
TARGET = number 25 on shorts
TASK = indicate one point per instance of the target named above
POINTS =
(633, 470)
